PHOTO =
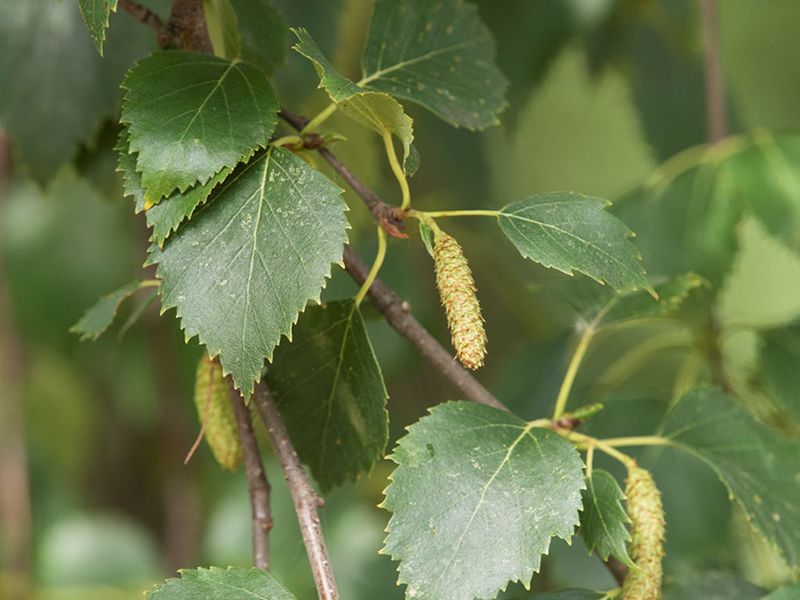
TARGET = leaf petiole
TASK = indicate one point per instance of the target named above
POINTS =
(319, 119)
(376, 267)
(397, 169)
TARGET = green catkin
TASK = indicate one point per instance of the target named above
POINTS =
(647, 537)
(214, 409)
(457, 292)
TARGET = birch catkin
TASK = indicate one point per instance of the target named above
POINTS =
(457, 292)
(647, 537)
(213, 401)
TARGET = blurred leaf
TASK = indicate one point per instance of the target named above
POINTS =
(603, 519)
(790, 592)
(587, 300)
(757, 465)
(64, 90)
(212, 399)
(437, 54)
(575, 133)
(214, 582)
(763, 288)
(571, 232)
(685, 215)
(761, 67)
(529, 35)
(712, 586)
(330, 390)
(765, 176)
(190, 115)
(238, 287)
(97, 550)
(779, 361)
(95, 14)
(503, 490)
(100, 316)
(376, 110)
(252, 30)
(655, 45)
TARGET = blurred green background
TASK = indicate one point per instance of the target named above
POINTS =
(602, 92)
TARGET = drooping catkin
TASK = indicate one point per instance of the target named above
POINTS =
(215, 411)
(647, 537)
(457, 292)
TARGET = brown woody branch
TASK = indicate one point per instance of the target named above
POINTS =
(143, 15)
(306, 500)
(257, 483)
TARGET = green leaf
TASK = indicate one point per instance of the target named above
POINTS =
(330, 390)
(95, 14)
(230, 583)
(758, 466)
(779, 359)
(378, 111)
(476, 497)
(589, 301)
(100, 316)
(241, 270)
(604, 520)
(190, 115)
(252, 30)
(572, 232)
(65, 90)
(167, 214)
(570, 594)
(712, 586)
(790, 592)
(437, 54)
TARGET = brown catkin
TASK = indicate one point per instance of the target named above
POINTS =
(457, 291)
(647, 537)
(214, 409)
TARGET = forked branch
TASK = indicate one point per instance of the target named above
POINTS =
(306, 500)
(257, 484)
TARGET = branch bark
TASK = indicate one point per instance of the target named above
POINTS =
(143, 15)
(257, 484)
(716, 109)
(306, 500)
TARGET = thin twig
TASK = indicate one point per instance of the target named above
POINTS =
(143, 15)
(257, 484)
(390, 217)
(186, 27)
(716, 110)
(306, 500)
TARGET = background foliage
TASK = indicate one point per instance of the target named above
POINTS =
(601, 95)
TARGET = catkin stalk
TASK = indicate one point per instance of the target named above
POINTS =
(457, 292)
(213, 402)
(647, 537)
